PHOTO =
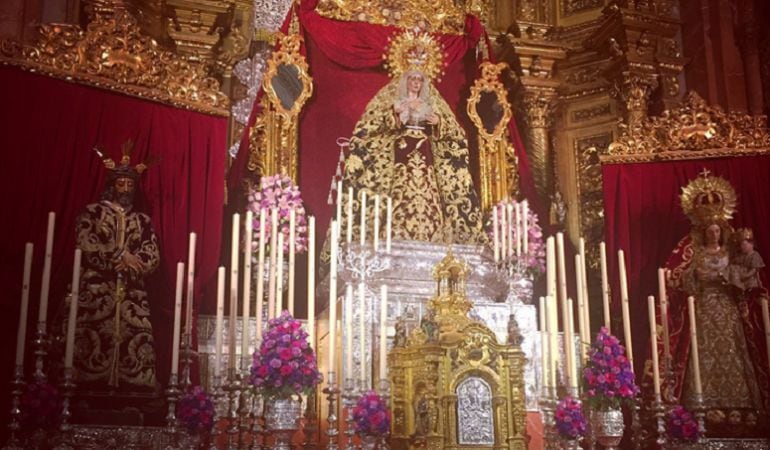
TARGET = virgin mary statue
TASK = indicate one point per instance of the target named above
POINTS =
(409, 146)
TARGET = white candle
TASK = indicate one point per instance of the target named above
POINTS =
(188, 316)
(219, 322)
(292, 258)
(311, 281)
(495, 234)
(569, 345)
(525, 228)
(246, 307)
(605, 286)
(349, 237)
(233, 290)
(654, 344)
(376, 237)
(349, 332)
(273, 263)
(550, 266)
(543, 343)
(586, 297)
(561, 274)
(517, 220)
(330, 363)
(625, 309)
(42, 313)
(383, 374)
(663, 312)
(21, 335)
(339, 201)
(363, 218)
(279, 278)
(510, 229)
(177, 319)
(69, 350)
(503, 232)
(362, 341)
(695, 360)
(389, 224)
(582, 330)
(766, 322)
(553, 332)
(260, 274)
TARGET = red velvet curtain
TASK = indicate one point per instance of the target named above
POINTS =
(643, 216)
(48, 130)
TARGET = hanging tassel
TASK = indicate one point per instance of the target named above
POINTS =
(338, 174)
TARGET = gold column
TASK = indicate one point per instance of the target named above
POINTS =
(536, 106)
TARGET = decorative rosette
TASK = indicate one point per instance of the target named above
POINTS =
(285, 364)
(570, 420)
(41, 404)
(608, 379)
(371, 415)
(681, 425)
(195, 411)
(279, 192)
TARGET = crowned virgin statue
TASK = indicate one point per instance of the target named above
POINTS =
(409, 146)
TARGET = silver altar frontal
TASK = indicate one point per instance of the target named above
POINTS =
(407, 270)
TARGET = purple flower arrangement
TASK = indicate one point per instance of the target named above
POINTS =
(534, 258)
(278, 191)
(41, 404)
(681, 425)
(371, 415)
(285, 364)
(195, 411)
(570, 420)
(608, 380)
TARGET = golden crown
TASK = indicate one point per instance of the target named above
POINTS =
(708, 199)
(123, 169)
(414, 50)
(743, 234)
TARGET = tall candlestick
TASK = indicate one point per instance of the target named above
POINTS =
(177, 318)
(292, 258)
(362, 341)
(246, 307)
(517, 220)
(69, 349)
(495, 234)
(220, 321)
(525, 223)
(766, 323)
(363, 218)
(42, 313)
(625, 309)
(261, 274)
(311, 281)
(383, 374)
(694, 346)
(376, 237)
(279, 278)
(234, 258)
(569, 345)
(654, 344)
(21, 334)
(605, 285)
(562, 275)
(188, 316)
(273, 263)
(349, 331)
(663, 312)
(550, 266)
(389, 225)
(333, 297)
(349, 237)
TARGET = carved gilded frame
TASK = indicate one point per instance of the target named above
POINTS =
(497, 161)
(274, 138)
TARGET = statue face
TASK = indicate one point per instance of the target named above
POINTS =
(713, 233)
(747, 246)
(414, 83)
(124, 191)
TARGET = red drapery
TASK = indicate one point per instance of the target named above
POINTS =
(48, 130)
(643, 216)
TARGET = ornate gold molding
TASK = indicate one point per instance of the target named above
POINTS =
(490, 112)
(694, 130)
(113, 54)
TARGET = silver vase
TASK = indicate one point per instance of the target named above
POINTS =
(369, 442)
(607, 427)
(282, 421)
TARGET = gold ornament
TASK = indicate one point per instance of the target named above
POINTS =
(708, 199)
(415, 50)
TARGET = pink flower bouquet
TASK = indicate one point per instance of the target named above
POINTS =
(195, 411)
(681, 425)
(608, 379)
(371, 415)
(279, 192)
(570, 420)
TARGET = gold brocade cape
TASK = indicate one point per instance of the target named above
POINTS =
(425, 172)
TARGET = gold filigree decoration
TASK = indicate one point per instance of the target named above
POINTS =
(287, 82)
(442, 16)
(709, 199)
(414, 50)
(112, 53)
(490, 112)
(694, 130)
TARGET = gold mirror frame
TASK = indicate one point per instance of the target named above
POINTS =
(273, 141)
(495, 152)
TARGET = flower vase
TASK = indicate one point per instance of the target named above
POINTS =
(282, 420)
(570, 444)
(607, 427)
(369, 442)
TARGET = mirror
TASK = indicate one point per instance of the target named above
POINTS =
(490, 111)
(287, 85)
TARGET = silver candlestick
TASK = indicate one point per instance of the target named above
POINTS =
(187, 358)
(40, 343)
(65, 428)
(349, 396)
(17, 389)
(331, 392)
(311, 422)
(244, 412)
(549, 424)
(233, 390)
(638, 432)
(699, 408)
(384, 391)
(218, 397)
(659, 409)
(172, 397)
(257, 412)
